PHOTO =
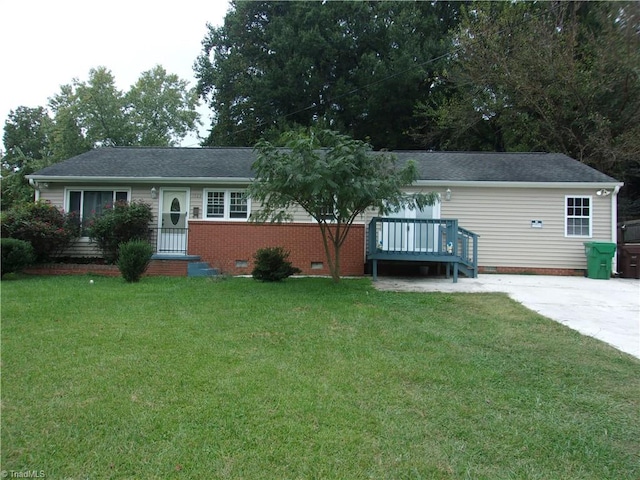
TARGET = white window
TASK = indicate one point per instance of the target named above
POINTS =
(578, 216)
(90, 202)
(226, 205)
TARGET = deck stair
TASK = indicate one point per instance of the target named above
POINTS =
(423, 240)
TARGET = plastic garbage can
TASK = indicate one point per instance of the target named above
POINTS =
(629, 260)
(599, 257)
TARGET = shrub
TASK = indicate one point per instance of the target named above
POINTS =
(16, 255)
(48, 230)
(271, 265)
(134, 259)
(119, 224)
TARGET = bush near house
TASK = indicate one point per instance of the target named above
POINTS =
(134, 258)
(16, 255)
(48, 230)
(118, 224)
(272, 265)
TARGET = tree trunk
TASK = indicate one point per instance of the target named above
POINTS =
(335, 272)
(332, 260)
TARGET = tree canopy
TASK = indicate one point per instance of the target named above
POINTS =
(334, 178)
(355, 67)
(575, 89)
(158, 110)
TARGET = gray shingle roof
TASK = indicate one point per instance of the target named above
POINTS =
(232, 162)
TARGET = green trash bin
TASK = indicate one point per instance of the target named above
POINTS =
(599, 258)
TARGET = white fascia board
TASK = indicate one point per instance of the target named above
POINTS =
(154, 180)
(564, 185)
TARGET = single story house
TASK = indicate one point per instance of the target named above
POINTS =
(524, 212)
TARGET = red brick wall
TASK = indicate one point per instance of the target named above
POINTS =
(221, 244)
(570, 272)
(172, 268)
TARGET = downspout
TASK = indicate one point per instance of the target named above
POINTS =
(33, 184)
(614, 227)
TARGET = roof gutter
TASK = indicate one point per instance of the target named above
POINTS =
(246, 180)
(33, 184)
(496, 184)
(149, 180)
(614, 227)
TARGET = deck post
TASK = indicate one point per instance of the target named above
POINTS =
(374, 269)
(475, 257)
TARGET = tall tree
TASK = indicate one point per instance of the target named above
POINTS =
(26, 136)
(356, 67)
(334, 178)
(99, 107)
(27, 140)
(158, 110)
(161, 108)
(575, 89)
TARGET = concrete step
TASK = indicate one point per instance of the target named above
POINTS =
(201, 269)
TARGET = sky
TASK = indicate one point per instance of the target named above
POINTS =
(47, 43)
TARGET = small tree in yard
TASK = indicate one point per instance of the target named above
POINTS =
(334, 178)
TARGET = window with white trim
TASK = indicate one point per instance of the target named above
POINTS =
(90, 202)
(226, 205)
(578, 216)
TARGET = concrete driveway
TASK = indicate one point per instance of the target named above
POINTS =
(608, 310)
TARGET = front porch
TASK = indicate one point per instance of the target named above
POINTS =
(423, 240)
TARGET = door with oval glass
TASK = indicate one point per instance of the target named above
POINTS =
(173, 222)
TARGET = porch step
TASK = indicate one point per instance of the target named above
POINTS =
(201, 269)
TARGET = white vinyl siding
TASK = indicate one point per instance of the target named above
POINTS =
(503, 219)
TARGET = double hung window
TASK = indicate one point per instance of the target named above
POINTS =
(226, 205)
(578, 216)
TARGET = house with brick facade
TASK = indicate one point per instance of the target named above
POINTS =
(504, 212)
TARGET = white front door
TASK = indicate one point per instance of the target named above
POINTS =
(173, 221)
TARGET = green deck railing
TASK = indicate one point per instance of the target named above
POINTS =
(424, 240)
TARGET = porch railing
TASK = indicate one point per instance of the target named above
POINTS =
(429, 240)
(170, 241)
(405, 236)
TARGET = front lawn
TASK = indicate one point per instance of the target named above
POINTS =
(193, 378)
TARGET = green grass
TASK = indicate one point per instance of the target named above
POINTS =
(193, 378)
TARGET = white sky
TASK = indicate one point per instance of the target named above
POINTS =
(47, 43)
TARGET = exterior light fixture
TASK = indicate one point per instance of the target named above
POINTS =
(154, 193)
(603, 192)
(447, 194)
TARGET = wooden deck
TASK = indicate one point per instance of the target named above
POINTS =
(423, 240)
